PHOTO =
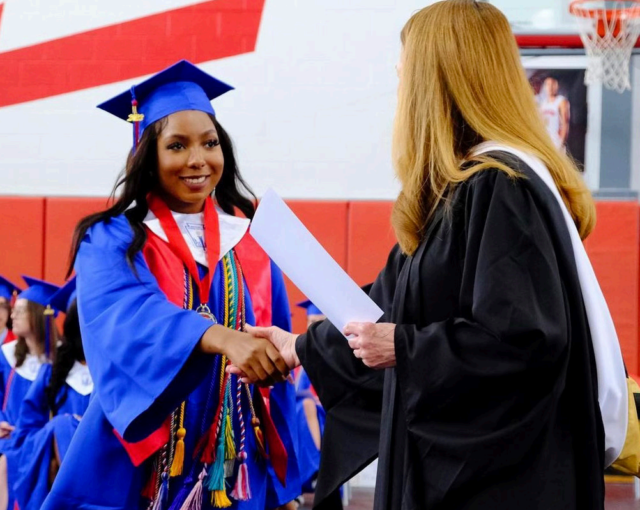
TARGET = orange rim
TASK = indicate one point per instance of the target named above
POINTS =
(577, 8)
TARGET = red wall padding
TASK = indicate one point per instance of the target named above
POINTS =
(369, 239)
(613, 249)
(36, 233)
(22, 237)
(62, 216)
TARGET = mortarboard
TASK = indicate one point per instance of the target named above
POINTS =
(61, 300)
(7, 288)
(311, 308)
(179, 87)
(38, 291)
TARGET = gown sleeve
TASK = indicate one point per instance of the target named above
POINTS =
(140, 346)
(471, 384)
(350, 392)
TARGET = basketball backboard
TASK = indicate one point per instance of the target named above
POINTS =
(538, 16)
(547, 23)
(541, 23)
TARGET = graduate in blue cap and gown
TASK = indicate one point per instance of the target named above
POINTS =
(8, 294)
(167, 278)
(52, 408)
(34, 326)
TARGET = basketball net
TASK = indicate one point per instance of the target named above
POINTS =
(609, 31)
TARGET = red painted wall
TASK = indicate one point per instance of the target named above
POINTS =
(22, 237)
(36, 234)
(613, 249)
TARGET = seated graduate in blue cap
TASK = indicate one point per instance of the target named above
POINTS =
(20, 361)
(167, 278)
(8, 294)
(52, 408)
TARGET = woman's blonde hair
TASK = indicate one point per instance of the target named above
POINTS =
(462, 83)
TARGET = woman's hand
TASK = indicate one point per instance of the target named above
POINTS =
(283, 341)
(255, 357)
(373, 343)
(5, 429)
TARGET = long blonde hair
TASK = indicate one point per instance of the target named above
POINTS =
(462, 83)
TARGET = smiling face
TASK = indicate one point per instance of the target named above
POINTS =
(190, 160)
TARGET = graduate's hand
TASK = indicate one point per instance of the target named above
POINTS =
(5, 429)
(373, 343)
(283, 341)
(255, 357)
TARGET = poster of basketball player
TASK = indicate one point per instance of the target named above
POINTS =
(562, 100)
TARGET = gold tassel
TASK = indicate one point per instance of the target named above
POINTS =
(178, 455)
(219, 499)
(255, 422)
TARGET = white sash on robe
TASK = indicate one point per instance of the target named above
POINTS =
(612, 384)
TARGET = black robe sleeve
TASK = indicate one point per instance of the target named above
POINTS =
(350, 392)
(479, 383)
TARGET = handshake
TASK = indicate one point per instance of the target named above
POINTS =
(265, 356)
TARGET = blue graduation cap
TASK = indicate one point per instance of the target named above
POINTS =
(38, 291)
(311, 308)
(61, 300)
(179, 87)
(7, 288)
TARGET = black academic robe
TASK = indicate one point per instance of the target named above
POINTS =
(493, 402)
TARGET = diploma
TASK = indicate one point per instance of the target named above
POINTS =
(303, 259)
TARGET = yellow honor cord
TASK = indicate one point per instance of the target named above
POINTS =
(178, 456)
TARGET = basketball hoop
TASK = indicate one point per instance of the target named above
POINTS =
(609, 31)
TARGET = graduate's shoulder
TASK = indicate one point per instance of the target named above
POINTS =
(44, 373)
(8, 357)
(114, 231)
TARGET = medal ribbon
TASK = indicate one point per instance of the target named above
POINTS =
(179, 246)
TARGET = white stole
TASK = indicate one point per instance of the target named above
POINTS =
(29, 369)
(232, 230)
(612, 384)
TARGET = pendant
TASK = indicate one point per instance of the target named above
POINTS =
(205, 312)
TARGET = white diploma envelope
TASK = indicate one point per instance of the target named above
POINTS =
(303, 259)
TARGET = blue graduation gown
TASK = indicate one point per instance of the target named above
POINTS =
(34, 438)
(14, 385)
(140, 350)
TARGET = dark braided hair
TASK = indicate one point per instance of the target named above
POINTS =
(67, 354)
(141, 176)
